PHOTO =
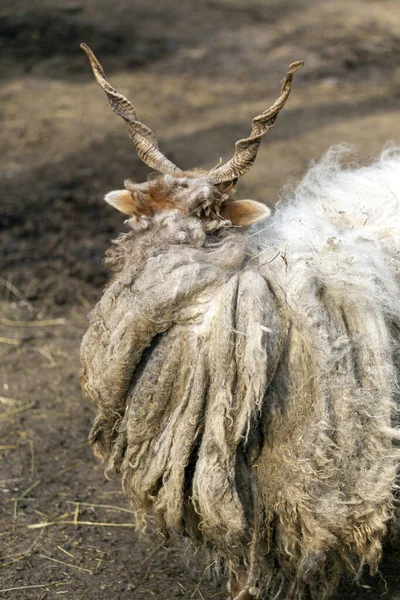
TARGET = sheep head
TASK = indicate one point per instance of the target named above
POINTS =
(205, 195)
(193, 195)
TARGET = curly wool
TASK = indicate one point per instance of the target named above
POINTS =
(246, 383)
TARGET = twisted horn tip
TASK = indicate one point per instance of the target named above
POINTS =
(295, 66)
(86, 48)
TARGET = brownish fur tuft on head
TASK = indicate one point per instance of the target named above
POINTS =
(192, 194)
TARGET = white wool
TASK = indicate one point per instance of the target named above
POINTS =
(337, 201)
(330, 253)
(341, 221)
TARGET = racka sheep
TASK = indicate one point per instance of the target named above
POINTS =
(246, 380)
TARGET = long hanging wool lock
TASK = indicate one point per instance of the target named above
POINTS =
(246, 384)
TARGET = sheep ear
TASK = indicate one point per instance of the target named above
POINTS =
(244, 212)
(123, 201)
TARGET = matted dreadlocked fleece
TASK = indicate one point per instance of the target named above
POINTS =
(246, 380)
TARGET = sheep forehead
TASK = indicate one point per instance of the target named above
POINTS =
(196, 182)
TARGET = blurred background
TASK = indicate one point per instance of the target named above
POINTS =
(197, 73)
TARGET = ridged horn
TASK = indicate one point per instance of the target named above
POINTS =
(246, 149)
(143, 137)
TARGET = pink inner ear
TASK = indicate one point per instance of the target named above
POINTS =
(121, 200)
(243, 213)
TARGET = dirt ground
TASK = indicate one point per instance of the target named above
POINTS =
(197, 73)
